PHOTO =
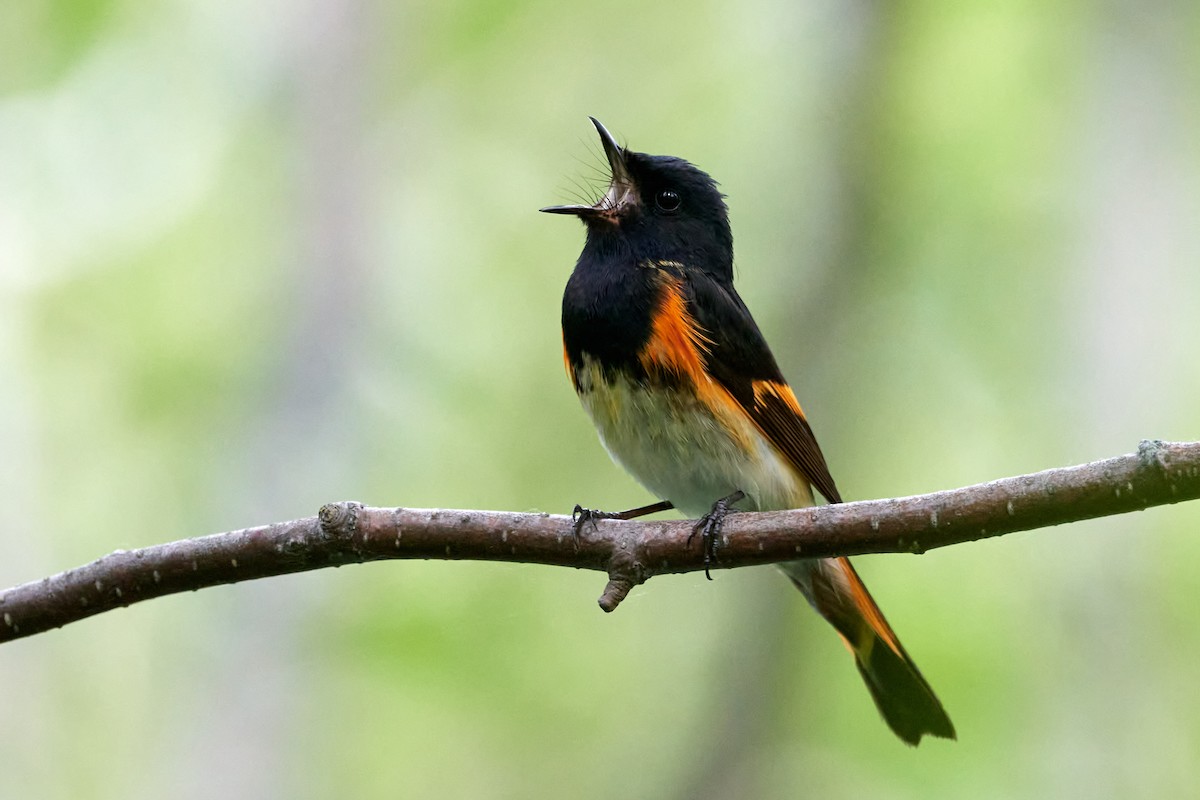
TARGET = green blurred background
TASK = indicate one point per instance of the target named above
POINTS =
(257, 256)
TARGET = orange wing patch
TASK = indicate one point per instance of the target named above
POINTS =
(778, 415)
(778, 391)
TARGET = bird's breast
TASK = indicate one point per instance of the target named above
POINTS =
(686, 442)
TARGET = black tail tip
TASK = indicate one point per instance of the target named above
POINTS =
(941, 727)
(905, 701)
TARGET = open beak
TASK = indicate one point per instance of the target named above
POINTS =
(621, 190)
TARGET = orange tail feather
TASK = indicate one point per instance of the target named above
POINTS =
(905, 700)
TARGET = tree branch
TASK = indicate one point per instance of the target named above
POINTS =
(630, 552)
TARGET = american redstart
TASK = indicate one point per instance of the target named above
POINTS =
(687, 397)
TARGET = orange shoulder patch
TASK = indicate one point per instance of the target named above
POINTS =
(677, 342)
(567, 364)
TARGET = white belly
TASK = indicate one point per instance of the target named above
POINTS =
(680, 450)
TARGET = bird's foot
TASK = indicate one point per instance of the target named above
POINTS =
(709, 527)
(582, 516)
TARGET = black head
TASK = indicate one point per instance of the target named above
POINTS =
(657, 207)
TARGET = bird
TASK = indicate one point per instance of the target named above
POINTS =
(686, 396)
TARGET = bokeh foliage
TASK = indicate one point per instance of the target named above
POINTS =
(258, 256)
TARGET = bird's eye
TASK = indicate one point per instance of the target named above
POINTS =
(667, 200)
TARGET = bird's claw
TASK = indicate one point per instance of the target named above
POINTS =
(709, 528)
(581, 516)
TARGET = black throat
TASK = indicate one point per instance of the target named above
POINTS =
(608, 308)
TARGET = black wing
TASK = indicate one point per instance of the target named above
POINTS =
(738, 357)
